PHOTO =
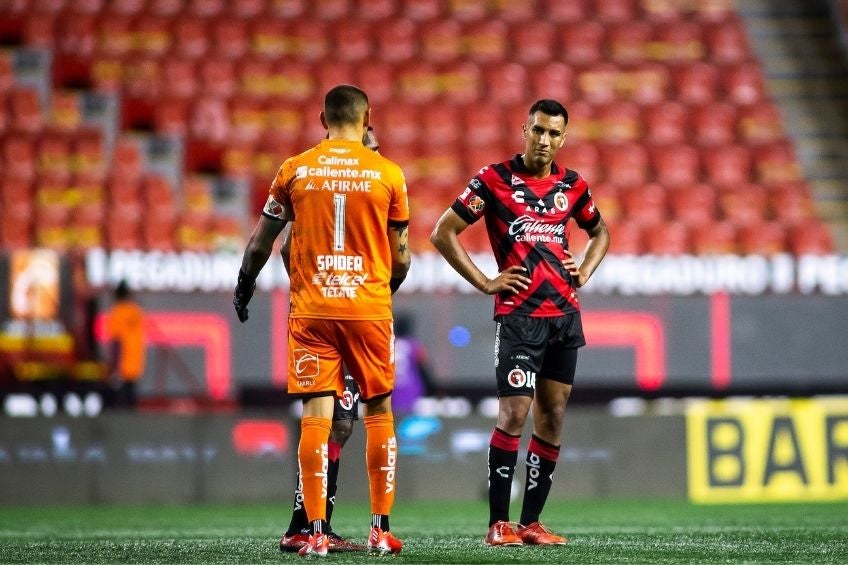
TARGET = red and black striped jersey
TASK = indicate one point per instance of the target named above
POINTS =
(526, 220)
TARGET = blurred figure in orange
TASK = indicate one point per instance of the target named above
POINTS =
(127, 351)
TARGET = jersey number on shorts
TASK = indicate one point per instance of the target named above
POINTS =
(339, 228)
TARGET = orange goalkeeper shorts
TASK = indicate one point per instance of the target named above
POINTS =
(318, 347)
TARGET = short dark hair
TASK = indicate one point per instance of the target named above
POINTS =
(344, 104)
(549, 107)
(122, 291)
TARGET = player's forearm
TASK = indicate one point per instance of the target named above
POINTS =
(596, 248)
(256, 254)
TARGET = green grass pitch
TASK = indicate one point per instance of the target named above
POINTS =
(601, 531)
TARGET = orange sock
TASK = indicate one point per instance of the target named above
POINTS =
(381, 453)
(313, 462)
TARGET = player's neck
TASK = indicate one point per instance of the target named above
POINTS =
(538, 173)
(346, 133)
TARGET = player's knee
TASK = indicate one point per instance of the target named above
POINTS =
(341, 430)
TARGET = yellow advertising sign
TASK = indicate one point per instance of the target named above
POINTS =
(768, 450)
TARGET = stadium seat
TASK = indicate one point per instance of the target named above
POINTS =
(54, 157)
(532, 44)
(791, 203)
(714, 124)
(583, 158)
(479, 129)
(582, 44)
(170, 116)
(679, 43)
(609, 11)
(248, 118)
(776, 163)
(288, 9)
(625, 237)
(165, 8)
(759, 124)
(663, 11)
(461, 83)
(157, 233)
(15, 231)
(16, 197)
(696, 82)
(467, 11)
(714, 11)
(39, 31)
(727, 42)
(293, 81)
(25, 110)
(599, 83)
(486, 41)
(226, 234)
(396, 40)
(666, 123)
(333, 10)
(191, 38)
(810, 238)
(353, 41)
(421, 10)
(379, 82)
(765, 238)
(647, 83)
(180, 77)
(516, 13)
(128, 161)
(19, 157)
(205, 9)
(629, 42)
(218, 77)
(230, 38)
(396, 125)
(115, 35)
(506, 84)
(553, 79)
(269, 38)
(439, 125)
(694, 204)
(418, 83)
(375, 10)
(645, 204)
(571, 12)
(714, 238)
(743, 204)
(122, 233)
(582, 125)
(310, 43)
(676, 165)
(441, 41)
(619, 121)
(77, 35)
(193, 233)
(727, 165)
(626, 164)
(744, 84)
(666, 238)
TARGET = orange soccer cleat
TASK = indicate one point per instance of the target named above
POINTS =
(502, 533)
(383, 542)
(537, 534)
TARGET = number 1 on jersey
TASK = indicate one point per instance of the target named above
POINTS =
(339, 227)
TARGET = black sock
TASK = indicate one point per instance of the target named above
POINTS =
(380, 521)
(503, 455)
(541, 461)
(332, 487)
(298, 519)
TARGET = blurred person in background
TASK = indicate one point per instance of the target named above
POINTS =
(413, 378)
(346, 411)
(349, 254)
(527, 202)
(127, 346)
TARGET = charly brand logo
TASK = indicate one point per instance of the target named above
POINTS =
(305, 364)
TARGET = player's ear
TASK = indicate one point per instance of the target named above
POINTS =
(323, 120)
(524, 130)
(366, 120)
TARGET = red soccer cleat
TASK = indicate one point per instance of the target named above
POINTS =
(294, 542)
(501, 533)
(383, 542)
(537, 534)
(316, 545)
(338, 544)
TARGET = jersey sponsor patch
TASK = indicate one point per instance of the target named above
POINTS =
(476, 204)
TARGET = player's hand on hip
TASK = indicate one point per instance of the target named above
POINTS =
(242, 295)
(512, 279)
(571, 266)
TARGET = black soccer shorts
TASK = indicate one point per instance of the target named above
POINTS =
(347, 407)
(529, 348)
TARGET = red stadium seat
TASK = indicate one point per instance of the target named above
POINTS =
(396, 40)
(582, 124)
(696, 82)
(294, 82)
(727, 165)
(39, 30)
(607, 199)
(54, 157)
(776, 163)
(599, 84)
(629, 42)
(676, 165)
(506, 84)
(553, 79)
(791, 203)
(619, 121)
(439, 124)
(744, 84)
(693, 204)
(760, 124)
(727, 42)
(246, 9)
(715, 238)
(310, 43)
(218, 77)
(123, 233)
(648, 83)
(583, 158)
(645, 204)
(626, 238)
(810, 238)
(533, 44)
(582, 44)
(180, 77)
(766, 238)
(128, 161)
(486, 41)
(396, 126)
(77, 35)
(714, 124)
(663, 11)
(330, 9)
(206, 8)
(191, 38)
(666, 123)
(679, 43)
(115, 35)
(15, 231)
(230, 38)
(616, 10)
(379, 81)
(333, 73)
(626, 164)
(269, 38)
(420, 10)
(418, 83)
(248, 118)
(715, 10)
(514, 12)
(16, 197)
(472, 11)
(667, 238)
(441, 41)
(479, 129)
(375, 10)
(210, 120)
(165, 8)
(25, 109)
(19, 157)
(743, 204)
(461, 83)
(353, 41)
(157, 233)
(171, 116)
(571, 12)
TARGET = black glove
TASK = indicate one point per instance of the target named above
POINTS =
(242, 294)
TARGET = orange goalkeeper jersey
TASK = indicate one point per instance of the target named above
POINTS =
(343, 197)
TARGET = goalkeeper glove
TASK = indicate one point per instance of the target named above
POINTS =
(242, 294)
